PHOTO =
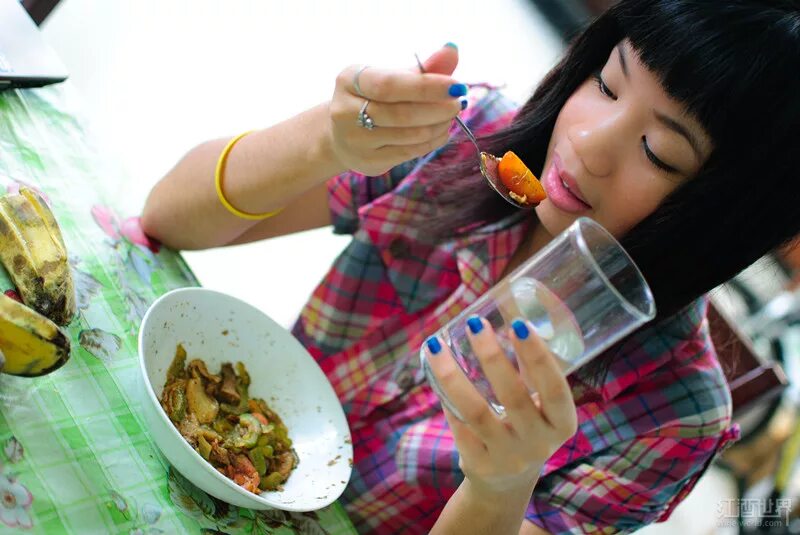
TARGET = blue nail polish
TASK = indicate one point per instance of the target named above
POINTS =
(520, 329)
(457, 90)
(475, 324)
(451, 45)
(433, 345)
(464, 103)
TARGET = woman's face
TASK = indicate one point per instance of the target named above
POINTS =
(620, 145)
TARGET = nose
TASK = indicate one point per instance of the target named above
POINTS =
(598, 142)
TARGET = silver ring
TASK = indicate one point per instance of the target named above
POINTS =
(355, 82)
(365, 120)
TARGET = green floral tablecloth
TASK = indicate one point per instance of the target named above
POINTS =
(76, 455)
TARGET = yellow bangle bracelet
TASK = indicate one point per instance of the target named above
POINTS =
(218, 172)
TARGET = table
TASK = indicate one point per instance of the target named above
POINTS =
(76, 456)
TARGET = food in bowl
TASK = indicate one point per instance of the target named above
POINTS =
(242, 437)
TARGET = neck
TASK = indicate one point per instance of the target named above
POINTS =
(536, 239)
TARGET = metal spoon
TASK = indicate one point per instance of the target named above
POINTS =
(488, 162)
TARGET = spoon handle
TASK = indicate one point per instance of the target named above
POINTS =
(464, 127)
(468, 132)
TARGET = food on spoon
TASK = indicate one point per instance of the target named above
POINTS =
(240, 436)
(522, 185)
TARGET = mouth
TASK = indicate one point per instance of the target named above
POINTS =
(562, 188)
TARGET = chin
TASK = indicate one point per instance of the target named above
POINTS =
(552, 219)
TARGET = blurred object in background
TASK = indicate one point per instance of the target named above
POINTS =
(568, 17)
(763, 302)
(26, 60)
(789, 257)
(39, 9)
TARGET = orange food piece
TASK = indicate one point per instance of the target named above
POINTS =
(244, 473)
(516, 176)
(260, 417)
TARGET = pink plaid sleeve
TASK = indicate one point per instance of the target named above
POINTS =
(351, 190)
(624, 488)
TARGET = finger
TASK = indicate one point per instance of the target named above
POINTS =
(459, 391)
(393, 137)
(388, 85)
(542, 373)
(506, 382)
(469, 445)
(411, 114)
(408, 152)
(443, 61)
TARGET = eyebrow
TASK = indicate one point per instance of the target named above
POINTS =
(622, 61)
(670, 123)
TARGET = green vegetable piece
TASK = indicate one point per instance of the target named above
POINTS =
(241, 371)
(246, 431)
(242, 407)
(222, 426)
(271, 482)
(258, 460)
(282, 437)
(267, 451)
(204, 447)
(176, 368)
(178, 399)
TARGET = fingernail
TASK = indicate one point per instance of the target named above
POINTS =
(433, 345)
(520, 329)
(451, 45)
(457, 90)
(475, 324)
(464, 103)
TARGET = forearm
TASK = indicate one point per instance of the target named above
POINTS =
(265, 171)
(469, 511)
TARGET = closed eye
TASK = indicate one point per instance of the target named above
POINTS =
(655, 159)
(604, 89)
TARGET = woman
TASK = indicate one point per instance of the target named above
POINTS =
(673, 123)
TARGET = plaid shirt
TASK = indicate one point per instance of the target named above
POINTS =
(644, 438)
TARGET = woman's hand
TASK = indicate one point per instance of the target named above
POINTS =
(412, 113)
(504, 456)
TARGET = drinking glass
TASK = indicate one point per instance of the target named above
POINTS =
(581, 293)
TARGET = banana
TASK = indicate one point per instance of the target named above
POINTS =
(31, 344)
(32, 251)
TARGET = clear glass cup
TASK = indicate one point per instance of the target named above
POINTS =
(582, 293)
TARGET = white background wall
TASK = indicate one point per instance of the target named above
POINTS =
(159, 76)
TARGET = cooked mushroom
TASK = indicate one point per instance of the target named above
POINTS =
(285, 464)
(197, 368)
(227, 392)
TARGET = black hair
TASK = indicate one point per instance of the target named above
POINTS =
(735, 66)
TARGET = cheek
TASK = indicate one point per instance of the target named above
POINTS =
(631, 201)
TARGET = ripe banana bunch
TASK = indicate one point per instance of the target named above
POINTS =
(32, 251)
(31, 344)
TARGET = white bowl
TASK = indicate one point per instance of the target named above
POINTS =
(219, 328)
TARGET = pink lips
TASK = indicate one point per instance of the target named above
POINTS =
(568, 199)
